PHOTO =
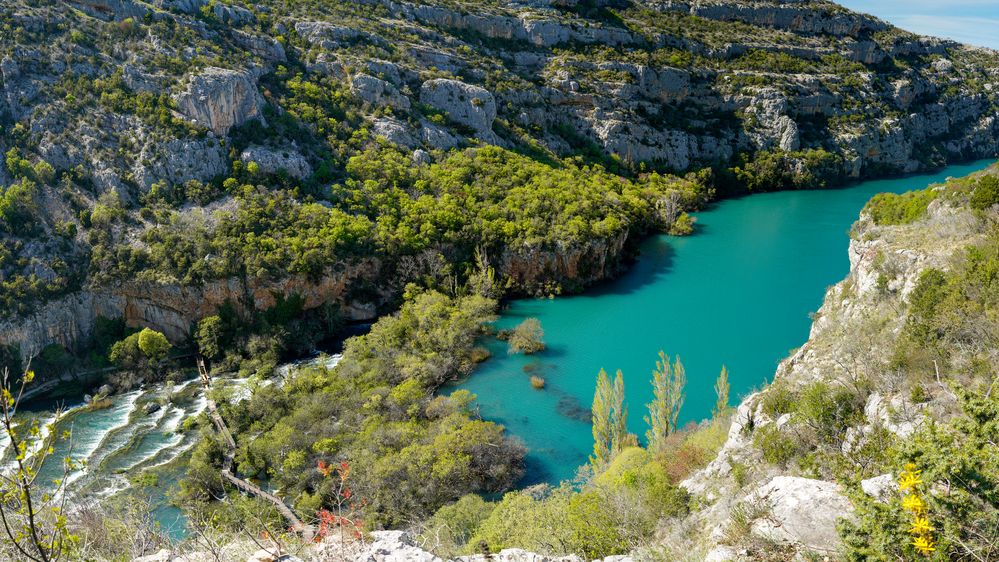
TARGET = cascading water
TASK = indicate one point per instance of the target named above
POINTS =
(117, 440)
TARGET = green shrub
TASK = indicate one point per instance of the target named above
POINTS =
(778, 400)
(893, 209)
(828, 411)
(777, 447)
(959, 461)
(986, 193)
(527, 337)
(452, 527)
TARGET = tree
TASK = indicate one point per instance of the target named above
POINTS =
(527, 337)
(610, 420)
(620, 438)
(153, 345)
(125, 354)
(33, 520)
(668, 397)
(602, 421)
(722, 388)
(209, 336)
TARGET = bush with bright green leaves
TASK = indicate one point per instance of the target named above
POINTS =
(142, 350)
(482, 198)
(410, 450)
(905, 208)
(613, 513)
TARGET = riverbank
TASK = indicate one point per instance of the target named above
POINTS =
(738, 292)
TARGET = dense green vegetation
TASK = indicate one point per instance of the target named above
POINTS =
(410, 451)
(949, 314)
(479, 198)
(889, 208)
(555, 184)
(613, 511)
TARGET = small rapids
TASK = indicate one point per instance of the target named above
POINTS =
(115, 440)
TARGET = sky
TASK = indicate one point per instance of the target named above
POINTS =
(975, 22)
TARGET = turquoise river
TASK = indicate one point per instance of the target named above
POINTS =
(738, 292)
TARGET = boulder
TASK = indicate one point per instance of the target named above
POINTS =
(879, 487)
(378, 92)
(395, 132)
(327, 35)
(163, 555)
(184, 6)
(263, 46)
(394, 546)
(802, 512)
(220, 99)
(521, 555)
(179, 160)
(438, 137)
(272, 161)
(232, 15)
(151, 408)
(469, 105)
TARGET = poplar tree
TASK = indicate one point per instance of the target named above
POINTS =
(602, 399)
(668, 384)
(658, 418)
(619, 417)
(721, 390)
(676, 395)
(610, 420)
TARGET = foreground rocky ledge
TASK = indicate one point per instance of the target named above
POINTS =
(384, 546)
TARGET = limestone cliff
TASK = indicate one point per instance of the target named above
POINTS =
(851, 337)
(174, 309)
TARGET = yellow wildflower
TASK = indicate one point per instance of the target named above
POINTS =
(921, 526)
(914, 503)
(923, 545)
(909, 480)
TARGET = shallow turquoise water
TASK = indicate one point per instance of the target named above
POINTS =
(738, 292)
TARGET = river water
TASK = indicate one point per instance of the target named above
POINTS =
(738, 292)
(121, 440)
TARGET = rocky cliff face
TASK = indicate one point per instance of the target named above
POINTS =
(852, 334)
(220, 99)
(174, 309)
(538, 270)
(124, 95)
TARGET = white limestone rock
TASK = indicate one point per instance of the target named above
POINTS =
(180, 160)
(272, 161)
(394, 546)
(378, 92)
(395, 132)
(879, 487)
(220, 99)
(464, 103)
(803, 512)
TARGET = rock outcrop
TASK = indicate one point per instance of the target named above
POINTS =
(466, 104)
(378, 92)
(382, 546)
(173, 309)
(802, 512)
(537, 270)
(220, 99)
(858, 322)
(273, 160)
